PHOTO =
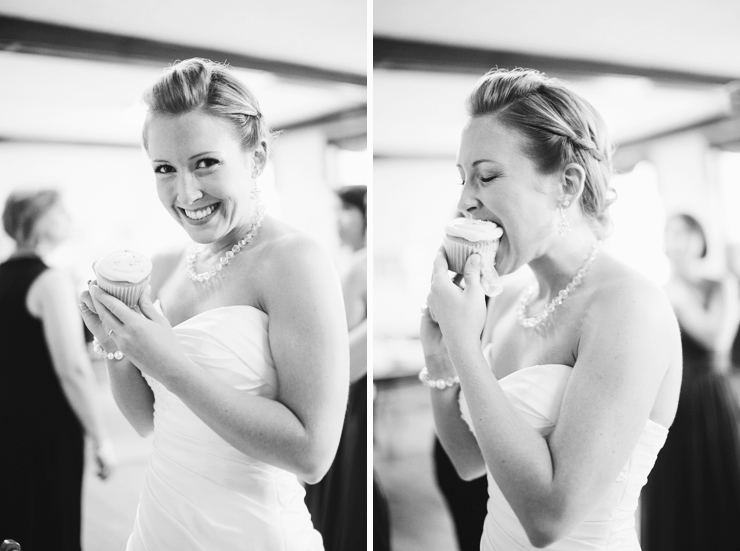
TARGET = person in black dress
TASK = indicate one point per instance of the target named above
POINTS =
(692, 497)
(338, 504)
(48, 395)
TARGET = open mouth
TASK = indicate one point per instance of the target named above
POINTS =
(200, 216)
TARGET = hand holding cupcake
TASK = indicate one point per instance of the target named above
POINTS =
(124, 274)
(465, 236)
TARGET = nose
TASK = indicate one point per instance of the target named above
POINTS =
(188, 191)
(468, 202)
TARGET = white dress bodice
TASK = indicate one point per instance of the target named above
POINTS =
(200, 493)
(537, 394)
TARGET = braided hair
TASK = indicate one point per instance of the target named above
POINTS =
(559, 128)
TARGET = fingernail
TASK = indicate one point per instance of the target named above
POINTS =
(81, 305)
(475, 259)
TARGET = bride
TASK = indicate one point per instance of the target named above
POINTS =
(240, 368)
(567, 399)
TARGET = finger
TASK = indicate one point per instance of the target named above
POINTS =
(147, 306)
(87, 300)
(472, 271)
(440, 264)
(101, 300)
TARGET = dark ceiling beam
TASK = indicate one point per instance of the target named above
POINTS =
(33, 37)
(409, 55)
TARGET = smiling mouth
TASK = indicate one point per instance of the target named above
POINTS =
(200, 215)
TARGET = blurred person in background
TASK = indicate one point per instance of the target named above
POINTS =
(338, 504)
(733, 262)
(562, 392)
(240, 367)
(692, 498)
(49, 390)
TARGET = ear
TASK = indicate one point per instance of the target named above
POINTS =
(259, 156)
(573, 179)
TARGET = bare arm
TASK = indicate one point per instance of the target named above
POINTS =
(308, 337)
(130, 391)
(628, 345)
(453, 432)
(51, 298)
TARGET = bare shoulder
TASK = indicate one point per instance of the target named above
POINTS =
(289, 257)
(628, 305)
(53, 282)
(51, 288)
(287, 244)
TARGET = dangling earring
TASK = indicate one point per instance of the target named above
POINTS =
(256, 192)
(563, 226)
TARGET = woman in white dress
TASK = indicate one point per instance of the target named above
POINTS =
(568, 385)
(241, 367)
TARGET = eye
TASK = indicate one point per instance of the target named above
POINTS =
(488, 179)
(163, 169)
(208, 162)
(462, 183)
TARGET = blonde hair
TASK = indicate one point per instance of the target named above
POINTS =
(24, 209)
(201, 84)
(559, 127)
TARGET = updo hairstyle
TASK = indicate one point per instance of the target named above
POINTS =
(23, 211)
(558, 126)
(201, 84)
(354, 197)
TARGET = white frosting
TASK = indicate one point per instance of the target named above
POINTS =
(124, 265)
(473, 230)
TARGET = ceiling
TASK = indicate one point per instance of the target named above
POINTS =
(320, 33)
(648, 67)
(701, 36)
(59, 91)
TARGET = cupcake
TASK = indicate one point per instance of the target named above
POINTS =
(464, 237)
(124, 274)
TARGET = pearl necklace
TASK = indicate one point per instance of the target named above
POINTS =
(224, 260)
(528, 293)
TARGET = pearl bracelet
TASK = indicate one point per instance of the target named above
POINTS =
(439, 384)
(100, 351)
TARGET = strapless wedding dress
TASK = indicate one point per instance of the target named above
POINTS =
(537, 393)
(200, 493)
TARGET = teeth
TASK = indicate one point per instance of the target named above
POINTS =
(198, 214)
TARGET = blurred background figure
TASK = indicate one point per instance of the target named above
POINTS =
(49, 396)
(692, 497)
(733, 262)
(338, 504)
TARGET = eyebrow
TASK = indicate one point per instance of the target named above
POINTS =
(189, 158)
(479, 161)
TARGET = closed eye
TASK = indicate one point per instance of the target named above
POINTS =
(488, 178)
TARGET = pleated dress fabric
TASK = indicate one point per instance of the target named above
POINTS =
(537, 393)
(200, 493)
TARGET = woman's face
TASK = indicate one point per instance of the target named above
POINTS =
(54, 227)
(350, 224)
(501, 184)
(204, 177)
(682, 243)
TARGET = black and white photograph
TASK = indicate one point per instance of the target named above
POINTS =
(183, 275)
(555, 277)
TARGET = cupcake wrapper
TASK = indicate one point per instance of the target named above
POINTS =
(458, 250)
(128, 294)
